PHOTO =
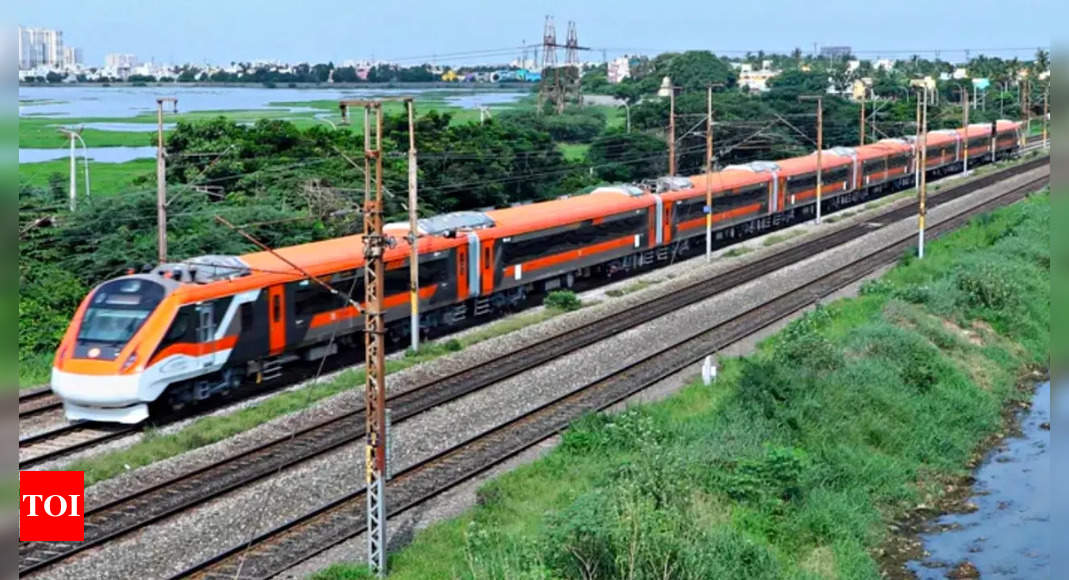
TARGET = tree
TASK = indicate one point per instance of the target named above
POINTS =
(628, 157)
(696, 69)
(791, 84)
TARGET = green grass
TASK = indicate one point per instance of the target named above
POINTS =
(42, 133)
(574, 151)
(737, 251)
(795, 461)
(633, 287)
(777, 238)
(207, 430)
(104, 178)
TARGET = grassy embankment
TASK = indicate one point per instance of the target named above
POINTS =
(156, 446)
(794, 463)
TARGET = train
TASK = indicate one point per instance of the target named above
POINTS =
(182, 332)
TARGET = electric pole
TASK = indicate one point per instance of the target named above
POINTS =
(413, 227)
(917, 146)
(861, 123)
(374, 345)
(965, 124)
(820, 145)
(1046, 114)
(671, 129)
(709, 171)
(72, 134)
(161, 179)
(74, 175)
(922, 210)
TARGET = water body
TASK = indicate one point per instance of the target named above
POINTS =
(1009, 535)
(126, 102)
(98, 154)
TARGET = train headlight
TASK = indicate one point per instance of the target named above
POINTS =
(130, 360)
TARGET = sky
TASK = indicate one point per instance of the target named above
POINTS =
(221, 31)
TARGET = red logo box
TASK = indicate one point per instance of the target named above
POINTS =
(51, 506)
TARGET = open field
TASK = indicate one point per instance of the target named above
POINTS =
(104, 178)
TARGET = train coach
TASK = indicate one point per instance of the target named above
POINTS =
(183, 332)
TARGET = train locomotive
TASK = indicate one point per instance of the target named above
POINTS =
(187, 331)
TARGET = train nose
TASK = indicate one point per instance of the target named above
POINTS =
(100, 397)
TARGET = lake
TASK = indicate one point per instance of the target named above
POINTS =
(126, 102)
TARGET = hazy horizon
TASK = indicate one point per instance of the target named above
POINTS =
(221, 32)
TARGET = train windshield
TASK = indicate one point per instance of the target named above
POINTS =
(118, 310)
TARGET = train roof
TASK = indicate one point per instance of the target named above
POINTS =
(514, 220)
(808, 163)
(731, 177)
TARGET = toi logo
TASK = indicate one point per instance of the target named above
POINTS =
(51, 506)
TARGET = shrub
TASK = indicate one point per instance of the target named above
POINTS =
(565, 300)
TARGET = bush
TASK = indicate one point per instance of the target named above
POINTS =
(565, 300)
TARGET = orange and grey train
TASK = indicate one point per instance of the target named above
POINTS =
(187, 331)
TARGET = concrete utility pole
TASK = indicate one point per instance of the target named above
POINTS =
(627, 108)
(709, 171)
(917, 146)
(820, 145)
(1046, 114)
(374, 345)
(161, 179)
(922, 210)
(73, 134)
(671, 130)
(965, 124)
(413, 228)
(861, 123)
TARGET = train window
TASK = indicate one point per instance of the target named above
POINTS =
(486, 256)
(245, 311)
(801, 183)
(433, 272)
(118, 309)
(313, 299)
(835, 175)
(874, 165)
(396, 281)
(584, 234)
(896, 162)
(276, 308)
(180, 328)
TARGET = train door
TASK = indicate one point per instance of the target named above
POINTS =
(487, 265)
(462, 273)
(206, 333)
(276, 317)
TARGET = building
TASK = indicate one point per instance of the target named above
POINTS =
(117, 65)
(618, 69)
(755, 80)
(72, 57)
(40, 47)
(835, 51)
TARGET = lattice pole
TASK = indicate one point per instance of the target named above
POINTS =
(374, 345)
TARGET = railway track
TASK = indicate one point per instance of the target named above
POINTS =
(37, 401)
(152, 504)
(54, 443)
(304, 537)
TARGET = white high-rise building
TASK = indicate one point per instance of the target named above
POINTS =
(40, 47)
(72, 57)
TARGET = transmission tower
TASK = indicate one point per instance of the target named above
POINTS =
(571, 86)
(572, 45)
(549, 63)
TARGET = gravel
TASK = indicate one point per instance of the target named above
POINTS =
(197, 534)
